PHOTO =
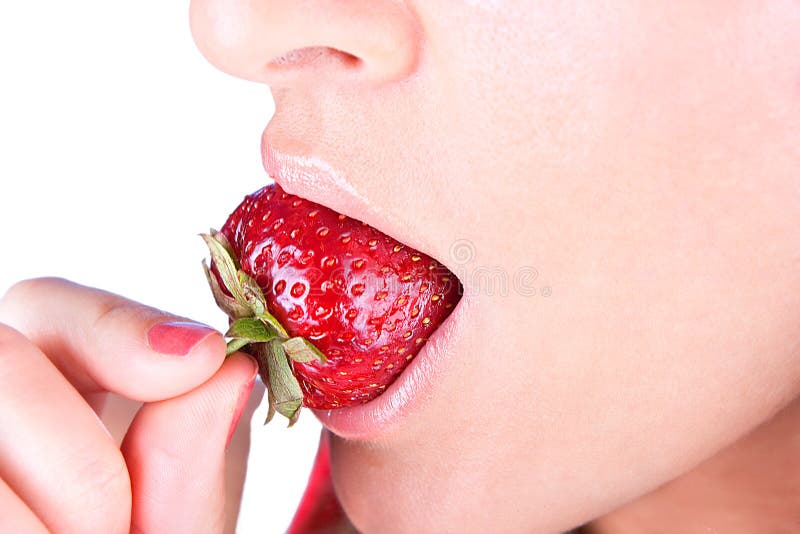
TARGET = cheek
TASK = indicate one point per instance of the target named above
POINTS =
(645, 163)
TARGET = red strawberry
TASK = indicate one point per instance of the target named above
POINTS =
(332, 308)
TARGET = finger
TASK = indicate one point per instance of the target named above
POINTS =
(16, 516)
(101, 341)
(54, 452)
(175, 450)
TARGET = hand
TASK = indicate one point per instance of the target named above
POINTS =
(62, 344)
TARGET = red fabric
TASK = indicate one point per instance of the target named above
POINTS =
(319, 511)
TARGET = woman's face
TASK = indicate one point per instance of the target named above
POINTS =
(617, 184)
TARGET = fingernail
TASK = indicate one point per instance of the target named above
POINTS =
(241, 402)
(177, 338)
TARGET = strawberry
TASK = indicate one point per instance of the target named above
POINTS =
(332, 309)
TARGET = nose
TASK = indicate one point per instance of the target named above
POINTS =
(291, 42)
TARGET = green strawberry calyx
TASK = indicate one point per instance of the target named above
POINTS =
(256, 331)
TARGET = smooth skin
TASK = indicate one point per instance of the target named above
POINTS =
(644, 157)
(63, 347)
(641, 155)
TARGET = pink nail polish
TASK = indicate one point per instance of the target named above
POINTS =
(177, 338)
(241, 402)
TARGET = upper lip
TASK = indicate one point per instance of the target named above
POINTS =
(308, 175)
(305, 173)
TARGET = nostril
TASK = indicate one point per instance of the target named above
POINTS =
(287, 44)
(314, 55)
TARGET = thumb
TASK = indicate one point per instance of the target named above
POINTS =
(175, 451)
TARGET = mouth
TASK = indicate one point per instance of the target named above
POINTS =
(300, 172)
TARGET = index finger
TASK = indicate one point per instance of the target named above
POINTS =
(103, 342)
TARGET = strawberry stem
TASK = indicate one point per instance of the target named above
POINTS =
(285, 387)
(235, 345)
(259, 332)
(301, 350)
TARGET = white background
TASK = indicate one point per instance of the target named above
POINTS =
(118, 144)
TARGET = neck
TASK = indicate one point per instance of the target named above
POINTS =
(752, 486)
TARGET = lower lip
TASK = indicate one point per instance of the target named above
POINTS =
(408, 393)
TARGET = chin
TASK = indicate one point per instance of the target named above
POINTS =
(375, 499)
